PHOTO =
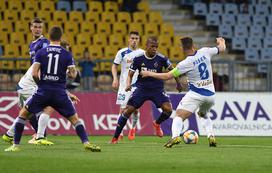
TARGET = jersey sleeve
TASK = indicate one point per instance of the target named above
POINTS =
(37, 57)
(134, 65)
(211, 50)
(118, 58)
(167, 62)
(182, 67)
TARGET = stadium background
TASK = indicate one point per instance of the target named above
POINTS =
(242, 75)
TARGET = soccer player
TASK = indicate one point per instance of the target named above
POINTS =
(197, 66)
(50, 68)
(124, 57)
(146, 88)
(26, 86)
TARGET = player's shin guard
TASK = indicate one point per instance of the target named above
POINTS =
(19, 128)
(164, 116)
(135, 118)
(42, 123)
(81, 132)
(34, 122)
(122, 121)
(177, 126)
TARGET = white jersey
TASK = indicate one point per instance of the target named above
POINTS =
(125, 57)
(27, 84)
(198, 69)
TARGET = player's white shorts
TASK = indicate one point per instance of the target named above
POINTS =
(123, 96)
(24, 94)
(192, 101)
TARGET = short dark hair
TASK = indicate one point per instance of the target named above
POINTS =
(55, 33)
(36, 20)
(186, 43)
(134, 32)
(152, 38)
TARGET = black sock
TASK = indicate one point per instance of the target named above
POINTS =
(122, 121)
(19, 128)
(164, 116)
(34, 122)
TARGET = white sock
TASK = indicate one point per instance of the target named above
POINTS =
(135, 118)
(177, 126)
(208, 125)
(11, 129)
(42, 124)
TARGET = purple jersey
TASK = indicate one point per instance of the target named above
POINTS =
(155, 64)
(54, 61)
(36, 45)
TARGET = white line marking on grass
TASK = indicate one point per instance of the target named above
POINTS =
(247, 146)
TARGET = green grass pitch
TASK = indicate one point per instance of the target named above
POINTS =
(144, 155)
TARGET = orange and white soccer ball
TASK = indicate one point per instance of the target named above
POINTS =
(190, 137)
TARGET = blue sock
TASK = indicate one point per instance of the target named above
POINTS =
(80, 130)
(19, 128)
(122, 121)
(34, 122)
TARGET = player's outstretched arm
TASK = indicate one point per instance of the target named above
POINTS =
(115, 82)
(221, 44)
(36, 71)
(161, 76)
(129, 80)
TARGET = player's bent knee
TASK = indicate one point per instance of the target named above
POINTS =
(24, 113)
(73, 119)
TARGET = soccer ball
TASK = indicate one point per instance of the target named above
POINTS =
(190, 137)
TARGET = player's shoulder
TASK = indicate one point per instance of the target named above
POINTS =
(161, 56)
(138, 52)
(124, 51)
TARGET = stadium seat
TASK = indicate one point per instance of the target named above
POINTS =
(25, 51)
(267, 42)
(26, 15)
(143, 6)
(108, 17)
(155, 17)
(3, 38)
(256, 31)
(249, 9)
(225, 31)
(252, 55)
(44, 15)
(164, 41)
(100, 39)
(110, 52)
(1, 51)
(238, 43)
(71, 28)
(116, 40)
(92, 17)
(64, 6)
(106, 67)
(76, 16)
(119, 28)
(3, 5)
(95, 6)
(268, 31)
(241, 31)
(11, 51)
(213, 19)
(54, 23)
(136, 27)
(104, 82)
(6, 26)
(230, 8)
(151, 29)
(261, 9)
(16, 77)
(60, 16)
(111, 6)
(176, 41)
(80, 6)
(243, 19)
(228, 19)
(254, 43)
(69, 38)
(95, 51)
(31, 6)
(22, 64)
(139, 17)
(215, 8)
(266, 54)
(175, 54)
(269, 17)
(163, 50)
(87, 27)
(47, 6)
(11, 16)
(77, 51)
(264, 2)
(15, 5)
(103, 28)
(167, 29)
(17, 38)
(200, 9)
(124, 17)
(83, 39)
(29, 37)
(259, 20)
